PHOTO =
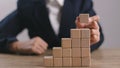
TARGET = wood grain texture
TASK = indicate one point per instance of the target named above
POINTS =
(67, 53)
(76, 52)
(77, 62)
(57, 62)
(85, 32)
(48, 61)
(85, 52)
(76, 43)
(84, 18)
(101, 58)
(85, 43)
(67, 62)
(75, 33)
(86, 62)
(57, 52)
(66, 42)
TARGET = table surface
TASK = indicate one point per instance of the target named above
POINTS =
(101, 58)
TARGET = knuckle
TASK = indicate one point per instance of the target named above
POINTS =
(96, 24)
(95, 32)
(95, 38)
(33, 49)
(37, 38)
(92, 31)
(34, 44)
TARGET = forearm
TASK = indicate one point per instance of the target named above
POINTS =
(19, 47)
(4, 43)
(13, 46)
(10, 26)
(33, 46)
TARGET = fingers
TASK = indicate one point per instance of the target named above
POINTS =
(94, 18)
(92, 25)
(41, 42)
(37, 49)
(95, 32)
(39, 45)
(94, 39)
(95, 36)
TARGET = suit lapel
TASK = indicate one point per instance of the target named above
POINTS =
(66, 19)
(69, 12)
(43, 18)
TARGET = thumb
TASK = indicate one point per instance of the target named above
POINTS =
(78, 24)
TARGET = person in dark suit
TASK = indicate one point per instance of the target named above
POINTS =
(47, 22)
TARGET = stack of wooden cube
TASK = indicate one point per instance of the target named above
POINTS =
(75, 51)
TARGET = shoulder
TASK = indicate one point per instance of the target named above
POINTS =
(23, 3)
(28, 3)
(26, 8)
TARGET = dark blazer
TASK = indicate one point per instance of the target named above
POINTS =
(33, 15)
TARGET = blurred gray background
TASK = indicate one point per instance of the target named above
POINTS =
(108, 10)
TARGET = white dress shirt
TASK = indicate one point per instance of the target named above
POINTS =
(54, 7)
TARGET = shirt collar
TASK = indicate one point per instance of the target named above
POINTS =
(61, 2)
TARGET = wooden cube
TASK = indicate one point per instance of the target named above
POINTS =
(75, 33)
(76, 43)
(66, 42)
(76, 52)
(85, 43)
(85, 32)
(67, 62)
(48, 60)
(76, 62)
(85, 52)
(86, 62)
(67, 53)
(57, 52)
(58, 62)
(84, 18)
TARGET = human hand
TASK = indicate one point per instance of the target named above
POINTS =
(36, 45)
(92, 25)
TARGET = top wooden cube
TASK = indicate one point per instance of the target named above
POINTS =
(84, 18)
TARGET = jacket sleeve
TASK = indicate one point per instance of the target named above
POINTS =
(88, 8)
(9, 28)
